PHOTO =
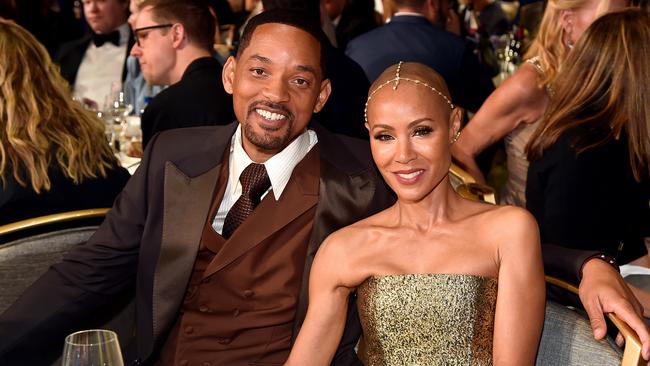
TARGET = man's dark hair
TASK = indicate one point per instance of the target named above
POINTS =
(311, 7)
(194, 15)
(291, 17)
(415, 4)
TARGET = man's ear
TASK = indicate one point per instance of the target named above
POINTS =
(323, 95)
(178, 35)
(228, 74)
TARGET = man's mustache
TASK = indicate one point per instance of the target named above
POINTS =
(277, 107)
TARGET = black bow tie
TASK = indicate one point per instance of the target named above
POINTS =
(100, 39)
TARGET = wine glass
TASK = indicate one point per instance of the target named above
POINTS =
(95, 347)
(116, 111)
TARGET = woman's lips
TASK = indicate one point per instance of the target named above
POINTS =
(410, 176)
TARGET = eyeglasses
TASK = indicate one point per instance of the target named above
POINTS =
(138, 38)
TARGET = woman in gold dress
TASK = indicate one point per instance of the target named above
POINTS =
(439, 279)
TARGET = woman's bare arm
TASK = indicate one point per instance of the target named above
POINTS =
(521, 297)
(328, 301)
(518, 100)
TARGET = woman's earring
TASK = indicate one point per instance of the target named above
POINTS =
(456, 137)
(569, 42)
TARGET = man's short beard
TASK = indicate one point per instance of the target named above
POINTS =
(268, 142)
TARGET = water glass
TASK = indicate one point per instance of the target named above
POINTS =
(96, 347)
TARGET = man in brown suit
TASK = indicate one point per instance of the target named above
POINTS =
(220, 259)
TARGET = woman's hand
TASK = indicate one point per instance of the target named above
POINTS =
(602, 290)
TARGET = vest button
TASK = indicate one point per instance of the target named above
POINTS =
(183, 362)
(204, 309)
(189, 329)
(248, 293)
(235, 313)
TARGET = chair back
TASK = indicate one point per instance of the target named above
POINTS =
(27, 250)
(24, 260)
(567, 338)
(465, 185)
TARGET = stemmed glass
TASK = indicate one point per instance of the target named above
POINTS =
(96, 347)
(115, 113)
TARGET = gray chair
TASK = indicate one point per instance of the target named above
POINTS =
(24, 258)
(567, 338)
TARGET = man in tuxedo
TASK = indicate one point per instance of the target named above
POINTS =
(96, 62)
(411, 36)
(174, 45)
(218, 227)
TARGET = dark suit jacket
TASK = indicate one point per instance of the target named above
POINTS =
(413, 38)
(357, 18)
(151, 236)
(343, 112)
(589, 201)
(71, 54)
(19, 203)
(198, 99)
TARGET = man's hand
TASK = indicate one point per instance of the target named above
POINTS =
(602, 290)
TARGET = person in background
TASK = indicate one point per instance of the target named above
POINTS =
(412, 36)
(174, 45)
(588, 180)
(351, 18)
(137, 92)
(95, 63)
(52, 22)
(54, 156)
(516, 107)
(491, 18)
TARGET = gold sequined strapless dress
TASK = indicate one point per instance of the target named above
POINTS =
(427, 319)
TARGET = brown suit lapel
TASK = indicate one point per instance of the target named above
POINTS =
(187, 203)
(347, 194)
(270, 216)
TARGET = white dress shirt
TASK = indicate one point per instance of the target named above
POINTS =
(101, 69)
(279, 168)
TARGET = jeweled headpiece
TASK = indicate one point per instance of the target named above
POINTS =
(396, 81)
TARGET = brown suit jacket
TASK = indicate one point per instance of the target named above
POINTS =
(151, 237)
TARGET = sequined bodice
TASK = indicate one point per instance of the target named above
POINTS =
(427, 319)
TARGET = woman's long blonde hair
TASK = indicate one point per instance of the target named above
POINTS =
(549, 44)
(39, 121)
(605, 88)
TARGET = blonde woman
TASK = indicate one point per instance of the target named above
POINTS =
(54, 155)
(589, 177)
(514, 109)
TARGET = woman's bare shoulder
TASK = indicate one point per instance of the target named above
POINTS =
(524, 85)
(511, 225)
(359, 233)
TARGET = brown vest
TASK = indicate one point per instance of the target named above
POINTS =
(242, 313)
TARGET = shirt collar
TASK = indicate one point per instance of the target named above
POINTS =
(125, 33)
(280, 166)
(408, 13)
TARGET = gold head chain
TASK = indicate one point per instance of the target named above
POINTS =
(396, 81)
